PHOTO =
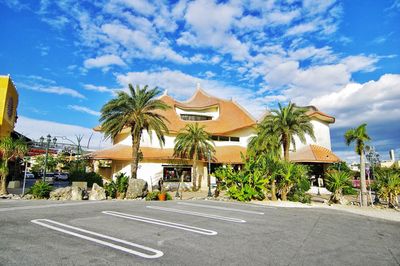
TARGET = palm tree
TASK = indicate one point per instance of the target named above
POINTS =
(359, 136)
(336, 182)
(193, 143)
(9, 148)
(138, 110)
(287, 122)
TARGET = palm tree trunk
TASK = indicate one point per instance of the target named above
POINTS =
(364, 198)
(3, 187)
(135, 154)
(194, 174)
(286, 145)
(273, 190)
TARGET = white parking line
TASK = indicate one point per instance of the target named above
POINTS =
(219, 208)
(156, 253)
(212, 216)
(49, 206)
(163, 223)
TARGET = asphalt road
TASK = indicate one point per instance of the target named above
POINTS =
(172, 233)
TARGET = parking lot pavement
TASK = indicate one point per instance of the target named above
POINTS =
(189, 232)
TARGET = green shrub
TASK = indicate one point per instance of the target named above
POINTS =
(168, 196)
(40, 190)
(300, 196)
(90, 178)
(111, 189)
(152, 195)
(122, 182)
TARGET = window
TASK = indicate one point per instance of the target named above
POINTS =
(174, 174)
(189, 117)
(225, 138)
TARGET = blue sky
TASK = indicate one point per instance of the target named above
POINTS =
(67, 58)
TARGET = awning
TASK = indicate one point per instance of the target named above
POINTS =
(224, 154)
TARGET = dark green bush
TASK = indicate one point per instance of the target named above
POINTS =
(168, 196)
(90, 178)
(40, 190)
(111, 189)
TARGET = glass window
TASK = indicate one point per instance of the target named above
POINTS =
(236, 139)
(214, 137)
(223, 138)
(190, 117)
(174, 174)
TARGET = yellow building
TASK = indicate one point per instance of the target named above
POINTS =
(8, 106)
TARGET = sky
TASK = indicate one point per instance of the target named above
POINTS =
(68, 58)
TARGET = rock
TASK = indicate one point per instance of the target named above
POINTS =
(136, 188)
(97, 193)
(28, 197)
(64, 193)
(77, 193)
(16, 197)
(343, 201)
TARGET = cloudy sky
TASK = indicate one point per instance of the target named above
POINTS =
(67, 58)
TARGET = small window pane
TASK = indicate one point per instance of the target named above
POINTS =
(236, 139)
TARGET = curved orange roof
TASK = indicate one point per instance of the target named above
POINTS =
(231, 115)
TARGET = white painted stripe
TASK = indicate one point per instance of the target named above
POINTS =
(163, 223)
(156, 253)
(49, 206)
(212, 216)
(219, 208)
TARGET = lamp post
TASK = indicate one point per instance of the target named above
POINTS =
(209, 177)
(78, 145)
(48, 141)
(26, 159)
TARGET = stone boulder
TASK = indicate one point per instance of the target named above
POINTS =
(28, 197)
(64, 193)
(77, 193)
(97, 193)
(136, 188)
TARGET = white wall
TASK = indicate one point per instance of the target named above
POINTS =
(150, 172)
(321, 133)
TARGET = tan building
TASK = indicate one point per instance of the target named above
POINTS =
(231, 127)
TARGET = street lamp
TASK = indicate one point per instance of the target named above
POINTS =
(209, 177)
(48, 141)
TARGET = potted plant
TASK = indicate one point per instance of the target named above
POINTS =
(162, 196)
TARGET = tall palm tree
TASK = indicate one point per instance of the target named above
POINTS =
(266, 141)
(9, 148)
(359, 135)
(194, 143)
(138, 109)
(287, 122)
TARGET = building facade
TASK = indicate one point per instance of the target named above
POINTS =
(231, 128)
(8, 106)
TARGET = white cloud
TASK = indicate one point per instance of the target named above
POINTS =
(92, 87)
(84, 109)
(34, 129)
(356, 63)
(104, 61)
(375, 102)
(52, 89)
